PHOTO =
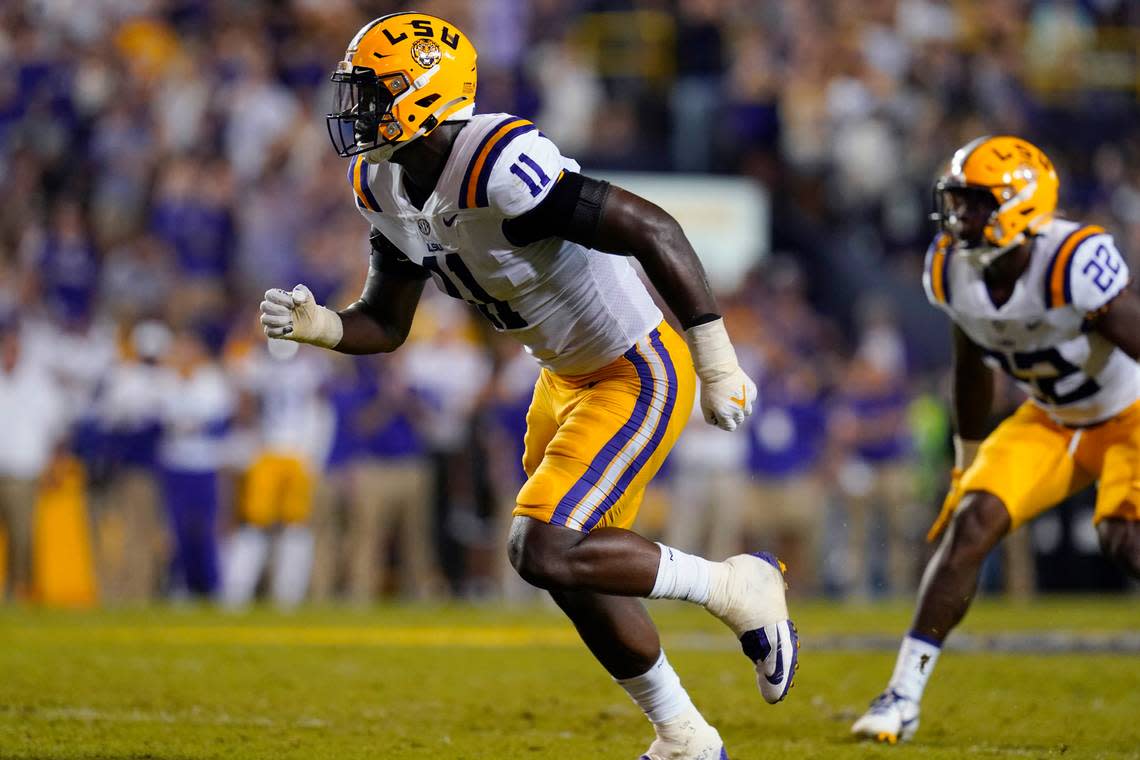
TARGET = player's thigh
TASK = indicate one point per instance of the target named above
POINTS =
(1118, 487)
(1027, 464)
(613, 439)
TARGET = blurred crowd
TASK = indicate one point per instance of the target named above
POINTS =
(163, 162)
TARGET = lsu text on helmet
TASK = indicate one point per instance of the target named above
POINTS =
(997, 192)
(402, 76)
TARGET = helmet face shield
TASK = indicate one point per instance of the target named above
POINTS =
(362, 118)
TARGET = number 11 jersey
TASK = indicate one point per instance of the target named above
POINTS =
(575, 310)
(1042, 335)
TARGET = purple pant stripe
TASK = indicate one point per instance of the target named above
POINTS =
(658, 433)
(614, 446)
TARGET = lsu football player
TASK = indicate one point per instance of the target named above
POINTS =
(488, 208)
(1047, 301)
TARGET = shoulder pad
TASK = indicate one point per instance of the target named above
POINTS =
(936, 274)
(359, 176)
(1058, 275)
(473, 190)
(1096, 273)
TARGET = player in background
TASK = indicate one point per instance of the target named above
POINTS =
(1047, 301)
(291, 429)
(488, 207)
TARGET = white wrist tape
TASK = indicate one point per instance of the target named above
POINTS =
(713, 354)
(965, 452)
(325, 328)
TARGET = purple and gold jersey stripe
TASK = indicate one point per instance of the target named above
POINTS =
(473, 191)
(940, 271)
(1058, 281)
(358, 178)
(627, 452)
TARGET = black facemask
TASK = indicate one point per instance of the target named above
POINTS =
(362, 119)
(963, 212)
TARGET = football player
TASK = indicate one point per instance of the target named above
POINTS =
(1047, 301)
(488, 208)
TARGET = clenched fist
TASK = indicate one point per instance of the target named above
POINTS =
(295, 315)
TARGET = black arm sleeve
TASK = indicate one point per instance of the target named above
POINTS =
(571, 210)
(388, 259)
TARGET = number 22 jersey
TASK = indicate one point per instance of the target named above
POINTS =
(1041, 337)
(573, 309)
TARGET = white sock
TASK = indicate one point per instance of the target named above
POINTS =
(914, 666)
(245, 556)
(292, 565)
(683, 576)
(658, 692)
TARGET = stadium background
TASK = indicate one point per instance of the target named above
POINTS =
(162, 163)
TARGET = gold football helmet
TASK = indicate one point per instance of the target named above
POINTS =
(996, 192)
(402, 76)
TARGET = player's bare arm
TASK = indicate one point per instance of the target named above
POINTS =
(609, 219)
(1118, 322)
(632, 226)
(378, 322)
(972, 396)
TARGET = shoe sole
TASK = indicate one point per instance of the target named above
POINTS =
(887, 737)
(723, 755)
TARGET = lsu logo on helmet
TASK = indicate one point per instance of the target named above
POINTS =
(995, 193)
(402, 76)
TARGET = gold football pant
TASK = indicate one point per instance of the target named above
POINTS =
(278, 488)
(594, 441)
(1032, 463)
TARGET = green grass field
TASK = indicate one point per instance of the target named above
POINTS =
(482, 682)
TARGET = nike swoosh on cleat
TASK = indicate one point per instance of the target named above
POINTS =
(778, 673)
(448, 222)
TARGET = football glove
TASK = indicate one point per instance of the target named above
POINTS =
(965, 452)
(297, 316)
(727, 394)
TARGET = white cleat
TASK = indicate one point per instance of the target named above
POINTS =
(687, 737)
(752, 603)
(891, 718)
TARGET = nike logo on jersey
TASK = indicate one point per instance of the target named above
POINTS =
(448, 222)
(743, 397)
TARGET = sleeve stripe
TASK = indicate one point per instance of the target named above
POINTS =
(940, 273)
(1058, 291)
(479, 170)
(467, 189)
(358, 175)
(493, 156)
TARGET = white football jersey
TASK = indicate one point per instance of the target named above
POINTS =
(575, 310)
(1041, 337)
